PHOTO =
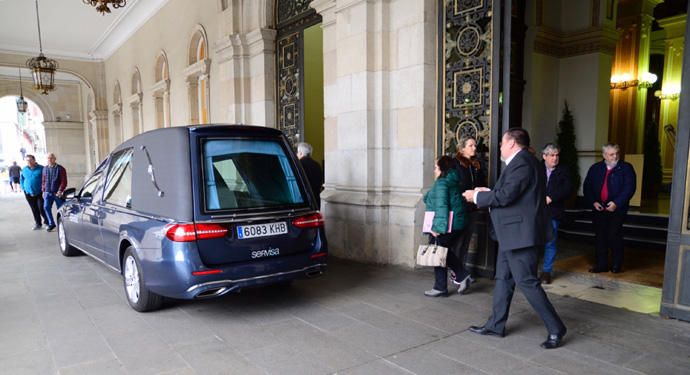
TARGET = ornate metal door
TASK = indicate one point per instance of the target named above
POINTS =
(292, 17)
(473, 94)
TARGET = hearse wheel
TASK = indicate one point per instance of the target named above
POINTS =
(138, 295)
(65, 248)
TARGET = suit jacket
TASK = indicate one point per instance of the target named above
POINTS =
(621, 185)
(314, 176)
(558, 187)
(517, 204)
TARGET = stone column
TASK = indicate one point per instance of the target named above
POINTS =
(379, 107)
(247, 65)
(98, 120)
(66, 140)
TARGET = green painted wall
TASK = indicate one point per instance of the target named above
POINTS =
(313, 90)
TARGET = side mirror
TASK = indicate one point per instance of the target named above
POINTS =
(69, 193)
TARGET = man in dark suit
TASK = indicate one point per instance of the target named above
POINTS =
(608, 187)
(558, 189)
(517, 209)
(312, 168)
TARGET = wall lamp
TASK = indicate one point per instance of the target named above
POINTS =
(625, 80)
(670, 93)
(646, 80)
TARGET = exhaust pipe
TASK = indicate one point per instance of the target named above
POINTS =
(313, 273)
(215, 292)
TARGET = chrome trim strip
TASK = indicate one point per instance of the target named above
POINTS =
(231, 218)
(194, 287)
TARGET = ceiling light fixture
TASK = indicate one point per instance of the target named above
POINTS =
(22, 105)
(42, 68)
(102, 5)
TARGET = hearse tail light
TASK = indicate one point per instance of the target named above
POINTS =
(309, 221)
(192, 232)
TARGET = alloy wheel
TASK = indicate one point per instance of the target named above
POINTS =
(61, 237)
(132, 279)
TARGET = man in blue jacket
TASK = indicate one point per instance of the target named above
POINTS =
(30, 181)
(608, 187)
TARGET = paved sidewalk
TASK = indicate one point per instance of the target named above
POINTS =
(69, 316)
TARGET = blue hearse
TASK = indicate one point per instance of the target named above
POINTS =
(197, 212)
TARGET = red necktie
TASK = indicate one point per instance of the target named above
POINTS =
(605, 189)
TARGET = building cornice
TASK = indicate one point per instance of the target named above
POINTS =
(583, 42)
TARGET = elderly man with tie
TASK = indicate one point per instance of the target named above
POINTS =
(608, 187)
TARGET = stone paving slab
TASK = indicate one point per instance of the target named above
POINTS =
(69, 316)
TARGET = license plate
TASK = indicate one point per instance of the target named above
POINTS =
(261, 230)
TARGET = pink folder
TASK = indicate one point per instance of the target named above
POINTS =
(429, 220)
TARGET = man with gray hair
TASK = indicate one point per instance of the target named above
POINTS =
(608, 187)
(312, 168)
(558, 189)
(53, 184)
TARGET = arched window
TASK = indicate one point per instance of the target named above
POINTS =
(161, 91)
(135, 103)
(198, 77)
(116, 110)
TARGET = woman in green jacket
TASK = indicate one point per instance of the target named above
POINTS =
(444, 197)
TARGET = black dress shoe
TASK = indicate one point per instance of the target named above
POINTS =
(597, 270)
(553, 341)
(482, 330)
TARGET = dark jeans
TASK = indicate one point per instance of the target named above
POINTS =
(36, 204)
(441, 273)
(608, 228)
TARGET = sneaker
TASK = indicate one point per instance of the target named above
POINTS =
(37, 226)
(435, 293)
(50, 228)
(464, 284)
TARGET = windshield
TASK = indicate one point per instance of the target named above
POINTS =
(243, 174)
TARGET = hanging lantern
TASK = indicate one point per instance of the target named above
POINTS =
(102, 5)
(42, 68)
(22, 105)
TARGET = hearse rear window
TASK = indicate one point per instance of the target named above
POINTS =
(241, 174)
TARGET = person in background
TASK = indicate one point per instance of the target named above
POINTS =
(608, 188)
(30, 180)
(15, 171)
(558, 189)
(518, 214)
(444, 197)
(312, 168)
(470, 176)
(53, 184)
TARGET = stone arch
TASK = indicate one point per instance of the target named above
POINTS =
(43, 105)
(116, 111)
(198, 45)
(197, 76)
(161, 68)
(136, 81)
(161, 90)
(135, 102)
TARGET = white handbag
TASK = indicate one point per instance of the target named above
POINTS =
(432, 255)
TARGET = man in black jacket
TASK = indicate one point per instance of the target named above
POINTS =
(558, 189)
(312, 168)
(517, 204)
